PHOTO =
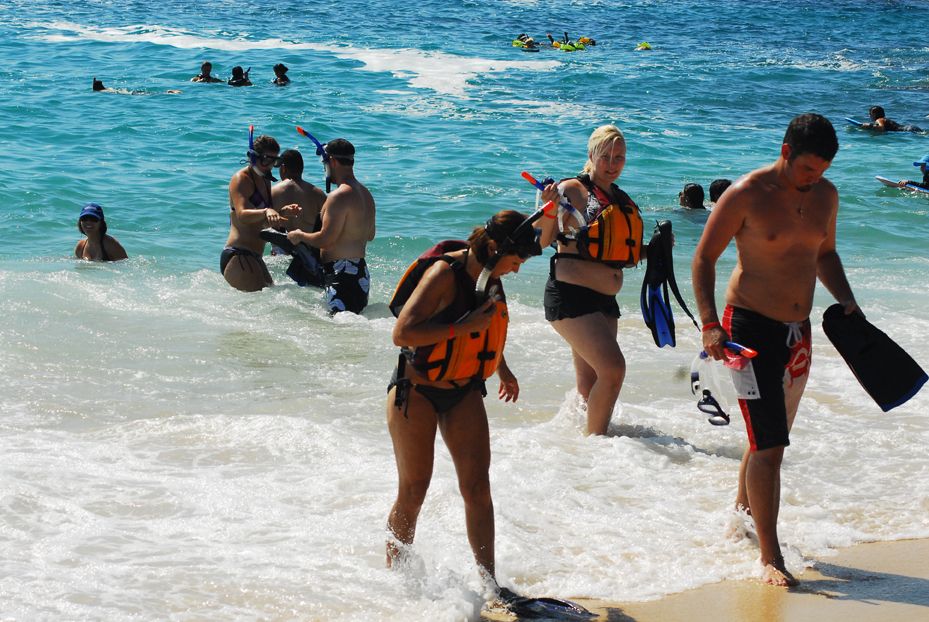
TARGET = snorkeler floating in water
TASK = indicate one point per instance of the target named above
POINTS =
(98, 87)
(527, 43)
(566, 45)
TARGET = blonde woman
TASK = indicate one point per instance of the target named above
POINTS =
(599, 233)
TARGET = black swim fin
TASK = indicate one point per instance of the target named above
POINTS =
(884, 369)
(659, 276)
(525, 608)
(305, 269)
(278, 238)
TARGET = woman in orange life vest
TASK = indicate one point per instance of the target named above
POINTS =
(580, 295)
(445, 316)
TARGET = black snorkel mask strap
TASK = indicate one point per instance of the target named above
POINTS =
(508, 245)
(323, 156)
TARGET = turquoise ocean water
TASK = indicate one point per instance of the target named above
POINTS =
(172, 448)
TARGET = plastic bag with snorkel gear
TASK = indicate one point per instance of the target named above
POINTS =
(706, 381)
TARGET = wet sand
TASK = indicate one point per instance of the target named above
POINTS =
(876, 582)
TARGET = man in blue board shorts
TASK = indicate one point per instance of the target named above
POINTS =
(783, 219)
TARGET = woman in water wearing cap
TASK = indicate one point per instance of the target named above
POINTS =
(923, 164)
(442, 313)
(98, 246)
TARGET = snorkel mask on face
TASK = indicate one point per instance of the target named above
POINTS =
(255, 158)
(323, 156)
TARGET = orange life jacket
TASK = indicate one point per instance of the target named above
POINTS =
(467, 355)
(613, 234)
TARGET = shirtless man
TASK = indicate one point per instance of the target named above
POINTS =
(250, 211)
(293, 189)
(783, 219)
(347, 227)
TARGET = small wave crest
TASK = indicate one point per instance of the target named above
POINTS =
(444, 73)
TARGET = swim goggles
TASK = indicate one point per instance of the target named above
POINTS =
(709, 406)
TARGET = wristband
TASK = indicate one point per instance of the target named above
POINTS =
(711, 326)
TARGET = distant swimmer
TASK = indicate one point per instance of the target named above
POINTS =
(293, 189)
(239, 77)
(206, 74)
(880, 122)
(566, 44)
(783, 219)
(643, 46)
(280, 75)
(451, 306)
(100, 88)
(923, 164)
(691, 197)
(250, 211)
(717, 187)
(525, 42)
(98, 246)
(348, 224)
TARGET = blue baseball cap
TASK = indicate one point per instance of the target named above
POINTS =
(93, 210)
(922, 160)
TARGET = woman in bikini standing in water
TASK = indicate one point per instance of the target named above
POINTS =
(452, 342)
(250, 211)
(580, 295)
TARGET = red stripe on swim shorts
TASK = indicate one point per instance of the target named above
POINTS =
(743, 404)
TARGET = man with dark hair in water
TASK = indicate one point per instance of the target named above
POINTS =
(306, 268)
(691, 197)
(280, 75)
(348, 217)
(783, 219)
(717, 187)
(881, 123)
(205, 74)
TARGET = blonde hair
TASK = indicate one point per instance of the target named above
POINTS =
(601, 140)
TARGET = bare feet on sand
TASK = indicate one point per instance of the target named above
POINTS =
(776, 573)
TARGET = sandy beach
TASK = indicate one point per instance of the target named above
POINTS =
(877, 582)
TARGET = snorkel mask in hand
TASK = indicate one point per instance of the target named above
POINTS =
(704, 383)
(705, 380)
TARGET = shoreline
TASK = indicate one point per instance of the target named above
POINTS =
(874, 581)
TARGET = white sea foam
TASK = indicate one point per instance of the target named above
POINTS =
(242, 469)
(442, 72)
